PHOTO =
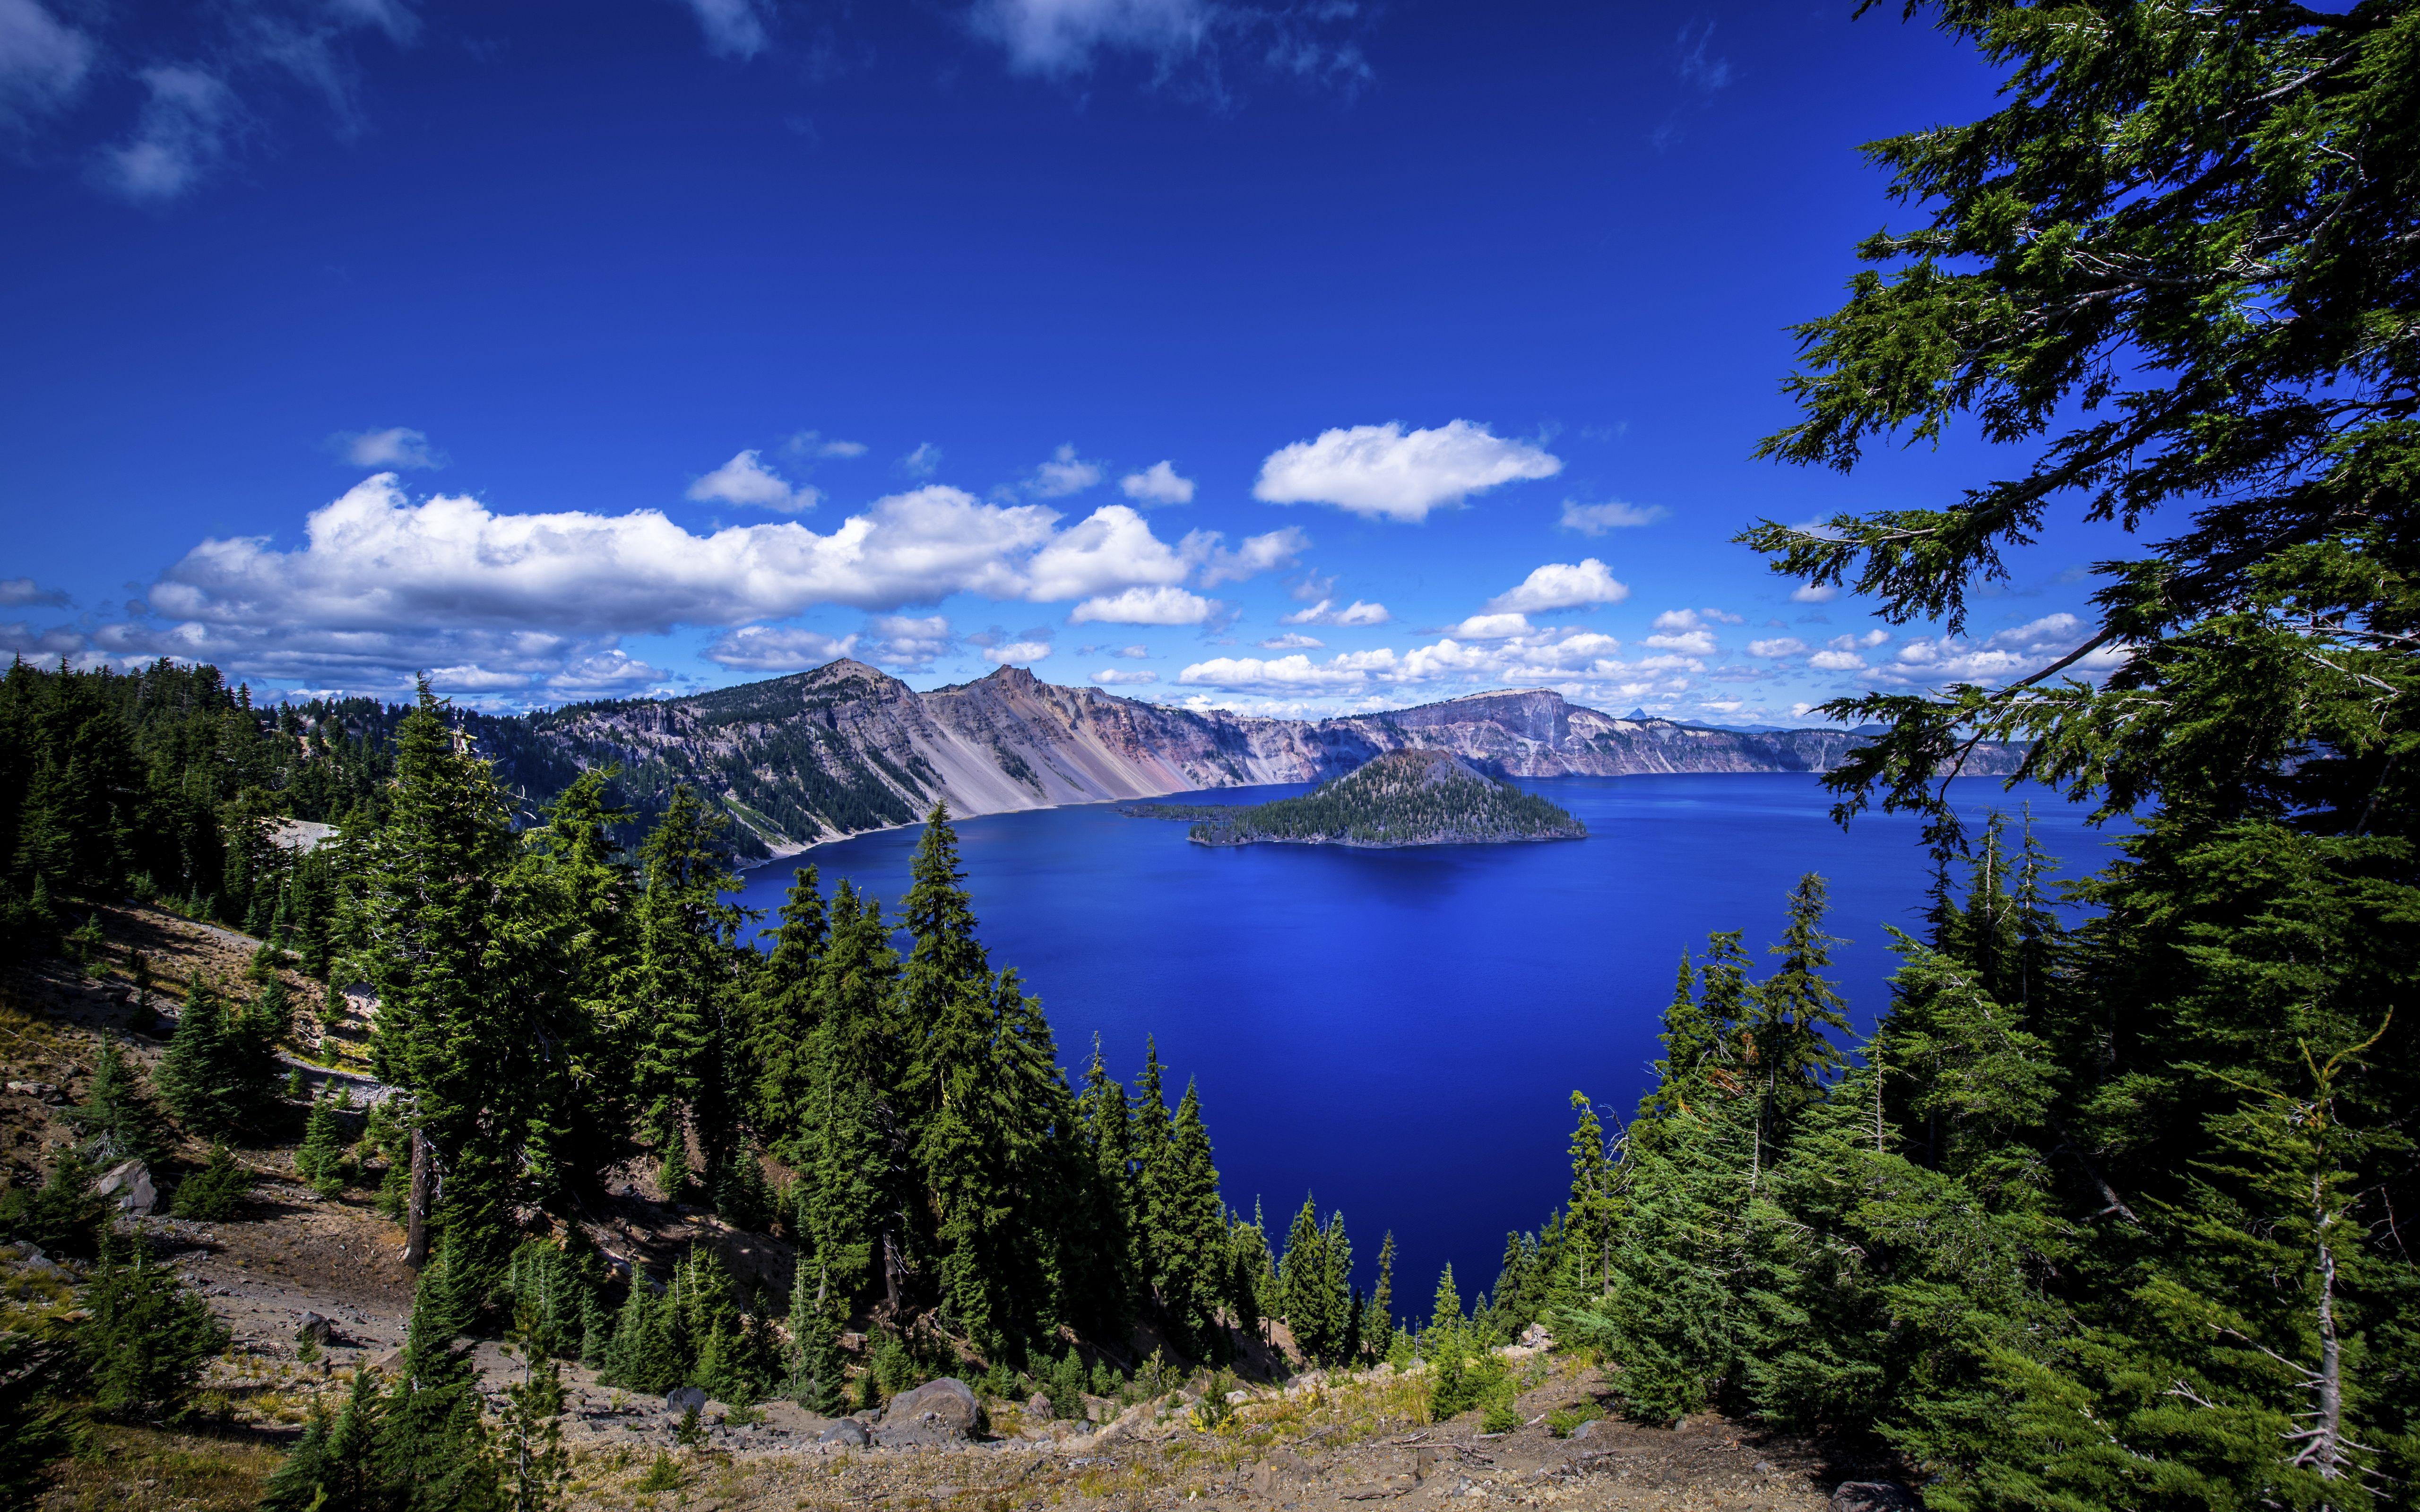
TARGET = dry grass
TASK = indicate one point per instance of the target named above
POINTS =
(161, 1469)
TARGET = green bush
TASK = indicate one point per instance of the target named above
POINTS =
(1065, 1384)
(1565, 1421)
(663, 1475)
(215, 1191)
(64, 1215)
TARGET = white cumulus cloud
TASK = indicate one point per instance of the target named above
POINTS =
(1383, 471)
(1017, 653)
(1158, 483)
(747, 482)
(397, 446)
(1063, 474)
(1814, 594)
(1785, 645)
(1683, 643)
(1292, 641)
(1326, 613)
(1595, 519)
(1836, 661)
(1492, 627)
(1112, 548)
(762, 648)
(910, 641)
(1112, 677)
(1561, 585)
(381, 583)
(1145, 606)
(21, 592)
(1256, 554)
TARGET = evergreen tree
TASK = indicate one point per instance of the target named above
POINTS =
(1100, 1269)
(1787, 1050)
(817, 1371)
(116, 1116)
(472, 1017)
(1590, 1228)
(855, 1178)
(321, 1159)
(434, 1450)
(691, 1070)
(782, 1019)
(1191, 1230)
(148, 1337)
(584, 896)
(1378, 1325)
(220, 1072)
(1307, 1277)
(297, 1483)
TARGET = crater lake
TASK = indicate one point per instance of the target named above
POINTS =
(1399, 1031)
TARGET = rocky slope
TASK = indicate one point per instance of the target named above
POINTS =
(845, 747)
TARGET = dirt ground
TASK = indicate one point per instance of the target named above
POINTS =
(291, 1252)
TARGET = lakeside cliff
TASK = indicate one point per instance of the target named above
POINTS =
(845, 747)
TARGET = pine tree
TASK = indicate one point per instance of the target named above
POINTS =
(1590, 1228)
(1192, 1230)
(691, 1072)
(321, 1159)
(817, 1371)
(219, 1073)
(856, 1175)
(782, 1019)
(1102, 1278)
(116, 1116)
(1306, 1276)
(148, 1337)
(473, 1021)
(1378, 1327)
(1788, 1051)
(296, 1484)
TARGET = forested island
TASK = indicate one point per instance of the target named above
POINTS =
(1403, 797)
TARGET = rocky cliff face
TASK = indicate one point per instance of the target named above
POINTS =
(848, 748)
(845, 747)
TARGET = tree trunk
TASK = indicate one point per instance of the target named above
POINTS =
(415, 1242)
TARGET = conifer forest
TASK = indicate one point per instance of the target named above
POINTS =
(2100, 1212)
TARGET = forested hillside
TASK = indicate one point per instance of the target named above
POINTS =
(1405, 797)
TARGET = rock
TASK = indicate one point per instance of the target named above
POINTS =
(1037, 1403)
(1280, 1470)
(946, 1404)
(847, 1432)
(129, 1182)
(1536, 1337)
(318, 1330)
(684, 1400)
(1872, 1496)
(43, 1090)
(391, 1360)
(1585, 1429)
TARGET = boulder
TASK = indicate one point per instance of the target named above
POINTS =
(318, 1330)
(848, 1432)
(684, 1400)
(1585, 1430)
(129, 1183)
(1536, 1337)
(1872, 1496)
(947, 1405)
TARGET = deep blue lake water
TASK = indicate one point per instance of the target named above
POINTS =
(1399, 1031)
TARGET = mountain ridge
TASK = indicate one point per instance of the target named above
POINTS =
(845, 747)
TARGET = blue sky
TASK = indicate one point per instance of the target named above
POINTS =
(1293, 359)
